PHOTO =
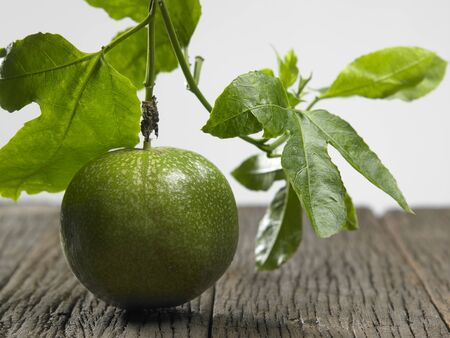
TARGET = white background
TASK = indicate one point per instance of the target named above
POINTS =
(236, 36)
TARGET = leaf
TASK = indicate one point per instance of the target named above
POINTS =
(253, 101)
(258, 172)
(352, 147)
(293, 100)
(406, 73)
(119, 9)
(314, 177)
(352, 222)
(2, 52)
(280, 231)
(130, 56)
(267, 71)
(87, 109)
(287, 68)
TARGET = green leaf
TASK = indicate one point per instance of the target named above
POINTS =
(280, 231)
(405, 73)
(119, 9)
(352, 217)
(293, 100)
(314, 177)
(267, 71)
(252, 102)
(87, 109)
(344, 138)
(287, 68)
(2, 52)
(258, 172)
(130, 56)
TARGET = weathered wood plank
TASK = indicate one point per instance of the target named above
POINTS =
(354, 285)
(17, 236)
(424, 240)
(39, 297)
(367, 283)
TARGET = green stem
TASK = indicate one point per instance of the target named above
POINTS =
(127, 34)
(198, 68)
(256, 141)
(150, 73)
(275, 144)
(192, 85)
(147, 145)
(186, 54)
(313, 103)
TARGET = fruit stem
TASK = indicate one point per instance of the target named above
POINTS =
(150, 115)
(147, 145)
(150, 72)
(150, 119)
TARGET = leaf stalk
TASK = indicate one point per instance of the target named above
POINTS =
(278, 142)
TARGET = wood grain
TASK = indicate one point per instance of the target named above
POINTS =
(424, 240)
(352, 285)
(390, 279)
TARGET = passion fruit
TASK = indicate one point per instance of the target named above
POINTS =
(149, 228)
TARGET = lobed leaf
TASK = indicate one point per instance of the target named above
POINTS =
(252, 102)
(406, 73)
(288, 69)
(280, 231)
(258, 172)
(352, 147)
(314, 177)
(87, 109)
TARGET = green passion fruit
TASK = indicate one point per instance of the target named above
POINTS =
(149, 228)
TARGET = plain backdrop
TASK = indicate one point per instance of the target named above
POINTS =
(236, 36)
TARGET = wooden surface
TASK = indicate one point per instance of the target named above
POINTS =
(389, 279)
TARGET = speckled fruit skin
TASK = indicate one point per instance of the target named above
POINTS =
(149, 228)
